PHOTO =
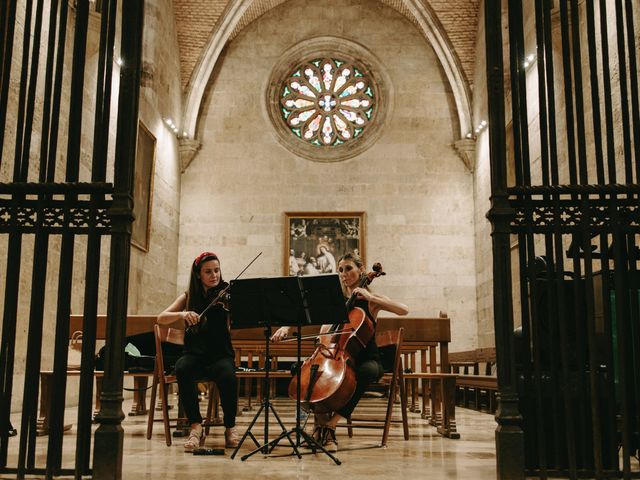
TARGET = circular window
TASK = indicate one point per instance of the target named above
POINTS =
(327, 102)
(324, 100)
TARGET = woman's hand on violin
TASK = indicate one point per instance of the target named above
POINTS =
(190, 318)
(280, 334)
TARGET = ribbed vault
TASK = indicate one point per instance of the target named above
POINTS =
(226, 19)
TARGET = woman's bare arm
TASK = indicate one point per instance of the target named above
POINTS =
(175, 311)
(379, 302)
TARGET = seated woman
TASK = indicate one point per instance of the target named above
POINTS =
(368, 366)
(208, 352)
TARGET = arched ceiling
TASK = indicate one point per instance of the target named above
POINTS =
(203, 28)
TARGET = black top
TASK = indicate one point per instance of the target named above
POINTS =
(210, 339)
(370, 351)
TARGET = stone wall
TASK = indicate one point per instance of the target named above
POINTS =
(415, 190)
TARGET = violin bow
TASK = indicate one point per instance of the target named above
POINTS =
(306, 337)
(224, 290)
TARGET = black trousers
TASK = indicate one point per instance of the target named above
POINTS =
(367, 372)
(190, 368)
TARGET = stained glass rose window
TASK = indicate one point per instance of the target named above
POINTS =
(327, 101)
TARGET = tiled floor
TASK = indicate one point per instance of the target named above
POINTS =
(425, 455)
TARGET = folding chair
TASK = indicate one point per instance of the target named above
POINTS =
(389, 343)
(162, 380)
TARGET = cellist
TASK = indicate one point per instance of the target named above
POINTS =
(368, 366)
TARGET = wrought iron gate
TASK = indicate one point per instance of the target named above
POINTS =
(54, 187)
(565, 183)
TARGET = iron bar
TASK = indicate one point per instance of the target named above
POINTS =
(633, 84)
(103, 92)
(7, 23)
(7, 351)
(64, 188)
(622, 331)
(624, 99)
(606, 82)
(63, 307)
(22, 95)
(581, 437)
(108, 439)
(98, 174)
(608, 189)
(518, 95)
(509, 435)
(550, 83)
(595, 92)
(576, 56)
(46, 98)
(588, 295)
(31, 96)
(57, 93)
(541, 48)
(34, 344)
(568, 89)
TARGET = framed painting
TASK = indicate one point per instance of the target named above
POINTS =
(315, 241)
(143, 188)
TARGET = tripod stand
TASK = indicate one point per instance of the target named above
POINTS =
(298, 430)
(286, 301)
(321, 298)
(266, 407)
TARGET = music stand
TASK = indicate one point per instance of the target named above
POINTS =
(319, 300)
(285, 301)
(252, 305)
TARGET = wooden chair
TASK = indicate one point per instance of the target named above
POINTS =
(162, 380)
(389, 343)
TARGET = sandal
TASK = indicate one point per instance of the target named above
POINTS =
(195, 440)
(316, 436)
(231, 437)
(329, 436)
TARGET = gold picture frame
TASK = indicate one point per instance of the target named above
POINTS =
(314, 241)
(143, 188)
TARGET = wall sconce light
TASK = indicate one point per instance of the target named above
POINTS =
(171, 125)
(174, 128)
(481, 126)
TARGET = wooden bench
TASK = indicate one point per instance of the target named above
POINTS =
(477, 384)
(135, 324)
(430, 338)
(138, 407)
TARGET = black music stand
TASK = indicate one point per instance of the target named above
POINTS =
(322, 302)
(251, 306)
(286, 301)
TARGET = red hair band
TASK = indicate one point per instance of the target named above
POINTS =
(202, 256)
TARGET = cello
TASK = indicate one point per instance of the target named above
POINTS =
(327, 377)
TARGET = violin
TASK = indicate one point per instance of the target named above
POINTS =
(327, 377)
(222, 298)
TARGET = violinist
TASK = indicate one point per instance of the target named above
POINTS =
(368, 366)
(208, 352)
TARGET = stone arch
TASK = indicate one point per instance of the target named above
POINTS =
(418, 13)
